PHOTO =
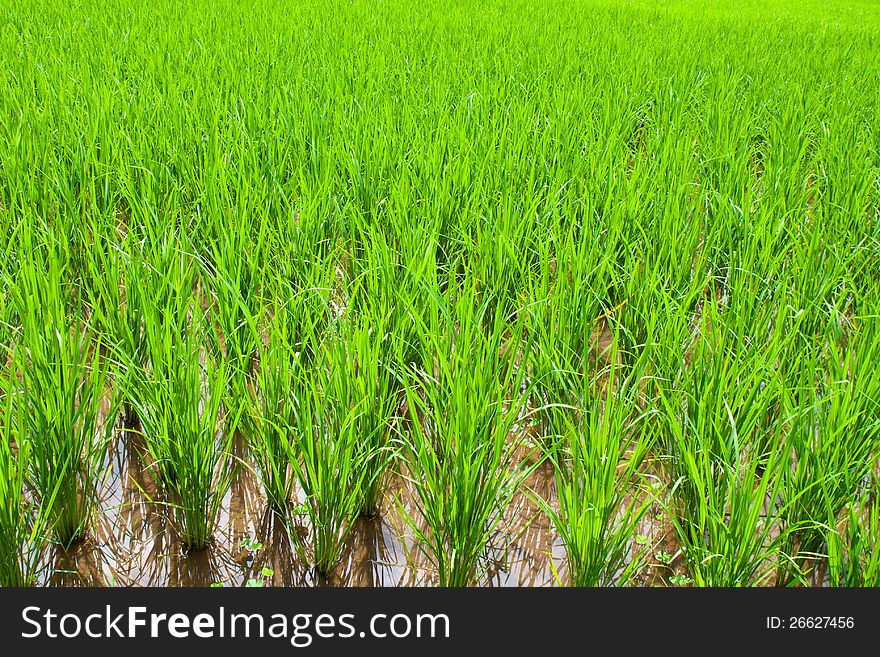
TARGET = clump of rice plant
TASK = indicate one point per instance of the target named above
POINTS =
(234, 270)
(295, 330)
(179, 401)
(22, 525)
(597, 481)
(62, 387)
(268, 421)
(724, 510)
(459, 450)
(117, 305)
(361, 378)
(496, 250)
(854, 551)
(564, 310)
(834, 439)
(725, 426)
(384, 286)
(728, 471)
(326, 454)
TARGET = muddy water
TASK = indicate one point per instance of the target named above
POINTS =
(132, 544)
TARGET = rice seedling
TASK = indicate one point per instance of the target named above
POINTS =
(179, 407)
(118, 308)
(460, 452)
(59, 407)
(565, 310)
(497, 249)
(834, 434)
(728, 461)
(23, 527)
(361, 378)
(269, 419)
(327, 456)
(285, 363)
(179, 401)
(233, 270)
(383, 285)
(601, 503)
(726, 521)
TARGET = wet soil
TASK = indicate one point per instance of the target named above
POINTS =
(132, 544)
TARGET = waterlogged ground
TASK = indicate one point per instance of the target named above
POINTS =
(132, 544)
(706, 182)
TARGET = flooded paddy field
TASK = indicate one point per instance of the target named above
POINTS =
(529, 293)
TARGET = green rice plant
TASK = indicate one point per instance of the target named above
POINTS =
(854, 552)
(269, 420)
(724, 508)
(732, 376)
(295, 331)
(23, 526)
(179, 401)
(118, 307)
(361, 378)
(460, 451)
(327, 456)
(727, 458)
(601, 503)
(699, 181)
(234, 270)
(497, 249)
(63, 385)
(564, 312)
(179, 404)
(834, 440)
(383, 284)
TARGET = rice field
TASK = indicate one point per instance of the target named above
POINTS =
(410, 293)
